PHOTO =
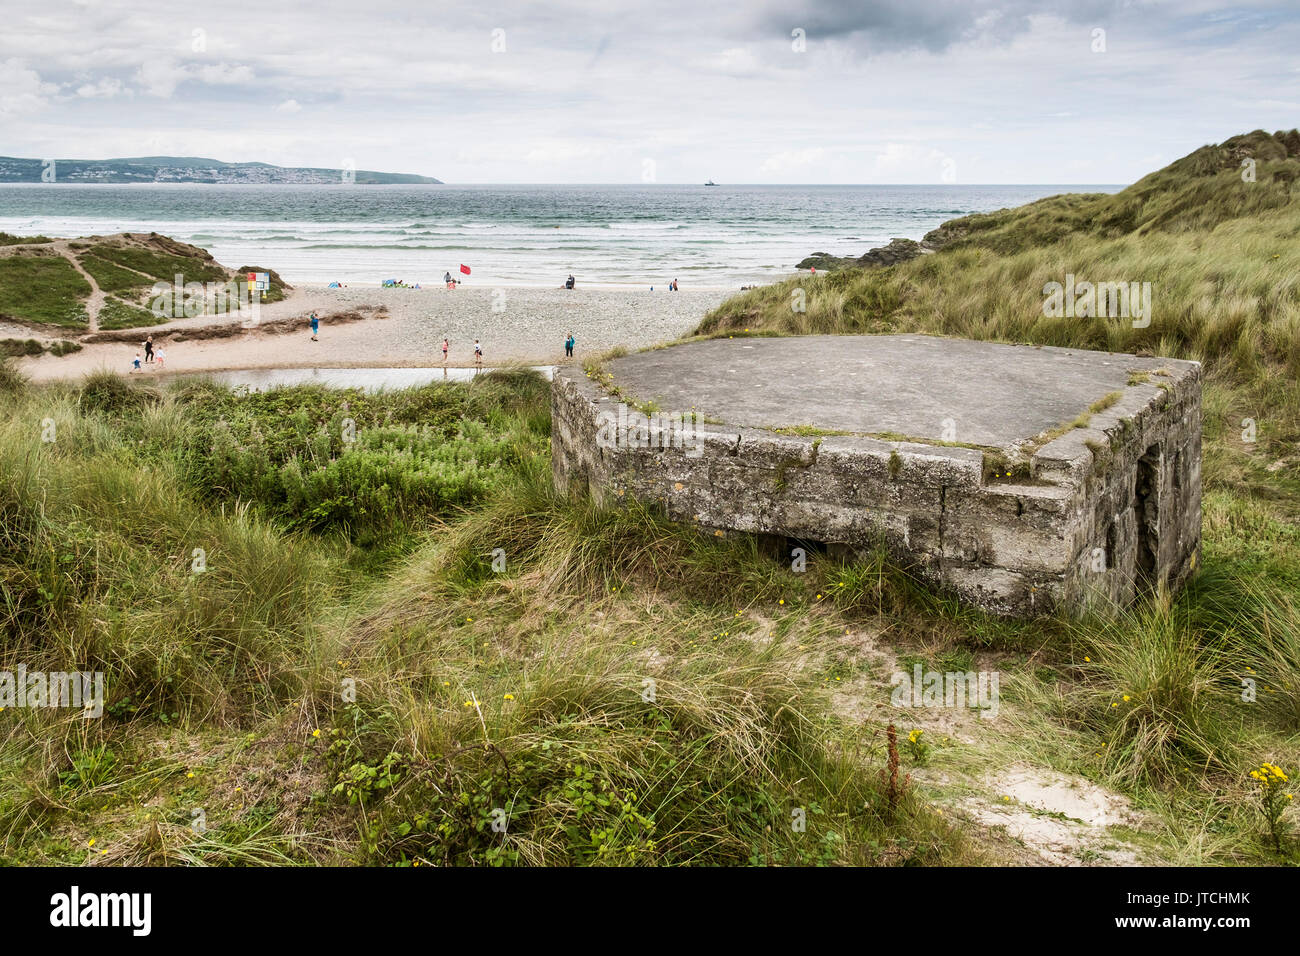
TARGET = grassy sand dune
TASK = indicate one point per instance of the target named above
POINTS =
(474, 690)
(105, 282)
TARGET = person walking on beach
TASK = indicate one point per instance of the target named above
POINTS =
(148, 349)
(135, 363)
(159, 356)
(568, 346)
(446, 345)
(478, 354)
(315, 327)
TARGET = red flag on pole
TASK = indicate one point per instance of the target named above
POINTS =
(464, 268)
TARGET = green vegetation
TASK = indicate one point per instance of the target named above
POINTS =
(117, 314)
(808, 431)
(1218, 251)
(42, 288)
(369, 467)
(360, 628)
(161, 266)
(113, 278)
(1156, 697)
(1105, 402)
(17, 348)
(479, 685)
(8, 239)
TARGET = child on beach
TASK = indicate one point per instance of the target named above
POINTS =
(478, 354)
(135, 364)
(315, 327)
(446, 344)
(159, 356)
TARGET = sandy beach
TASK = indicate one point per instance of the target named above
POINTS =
(405, 328)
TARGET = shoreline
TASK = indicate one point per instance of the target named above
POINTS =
(382, 328)
(530, 286)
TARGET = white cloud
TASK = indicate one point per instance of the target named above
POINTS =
(909, 162)
(886, 91)
(159, 77)
(557, 151)
(21, 89)
(106, 88)
(737, 61)
(224, 74)
(793, 160)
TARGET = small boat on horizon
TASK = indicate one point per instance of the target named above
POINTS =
(710, 183)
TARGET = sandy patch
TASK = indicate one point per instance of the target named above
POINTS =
(525, 325)
(1063, 819)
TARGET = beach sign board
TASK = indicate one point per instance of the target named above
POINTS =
(259, 281)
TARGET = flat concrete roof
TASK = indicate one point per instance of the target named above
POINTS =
(996, 395)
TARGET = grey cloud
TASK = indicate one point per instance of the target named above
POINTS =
(932, 25)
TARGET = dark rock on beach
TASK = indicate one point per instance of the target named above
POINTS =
(898, 250)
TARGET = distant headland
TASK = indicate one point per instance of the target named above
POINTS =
(189, 169)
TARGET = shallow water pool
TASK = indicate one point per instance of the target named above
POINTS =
(369, 379)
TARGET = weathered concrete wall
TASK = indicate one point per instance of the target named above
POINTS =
(1139, 497)
(1106, 509)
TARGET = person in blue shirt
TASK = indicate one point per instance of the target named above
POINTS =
(315, 327)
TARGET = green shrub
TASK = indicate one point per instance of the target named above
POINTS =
(117, 314)
(106, 391)
(367, 465)
(11, 380)
(1153, 692)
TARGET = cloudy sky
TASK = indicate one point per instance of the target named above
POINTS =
(604, 91)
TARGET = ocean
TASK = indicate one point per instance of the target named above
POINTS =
(638, 236)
